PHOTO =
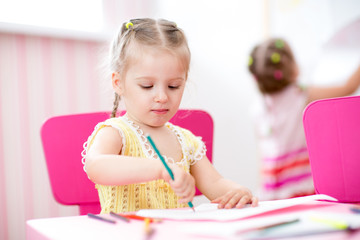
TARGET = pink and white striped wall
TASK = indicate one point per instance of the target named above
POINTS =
(39, 77)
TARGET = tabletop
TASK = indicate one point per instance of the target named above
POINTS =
(84, 227)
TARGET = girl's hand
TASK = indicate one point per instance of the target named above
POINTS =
(236, 198)
(183, 185)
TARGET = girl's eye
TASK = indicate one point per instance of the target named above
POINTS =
(146, 86)
(174, 87)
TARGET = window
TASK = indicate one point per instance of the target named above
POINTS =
(85, 16)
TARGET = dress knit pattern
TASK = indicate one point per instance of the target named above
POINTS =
(156, 194)
(285, 163)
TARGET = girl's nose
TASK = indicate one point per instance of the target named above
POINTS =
(161, 96)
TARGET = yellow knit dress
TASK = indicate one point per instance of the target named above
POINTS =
(155, 194)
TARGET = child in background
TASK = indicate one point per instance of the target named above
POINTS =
(285, 163)
(149, 63)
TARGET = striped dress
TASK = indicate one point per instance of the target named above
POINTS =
(285, 164)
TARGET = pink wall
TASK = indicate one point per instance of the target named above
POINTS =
(42, 77)
(39, 77)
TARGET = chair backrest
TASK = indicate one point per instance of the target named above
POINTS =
(63, 138)
(332, 130)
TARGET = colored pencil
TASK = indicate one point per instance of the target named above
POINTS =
(165, 164)
(136, 217)
(120, 217)
(101, 218)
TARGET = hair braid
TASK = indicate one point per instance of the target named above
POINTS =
(116, 105)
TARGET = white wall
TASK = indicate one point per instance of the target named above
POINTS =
(311, 28)
(220, 34)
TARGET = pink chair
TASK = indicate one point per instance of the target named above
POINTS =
(63, 138)
(332, 129)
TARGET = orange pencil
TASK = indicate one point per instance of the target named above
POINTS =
(136, 217)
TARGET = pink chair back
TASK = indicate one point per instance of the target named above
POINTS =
(332, 129)
(63, 138)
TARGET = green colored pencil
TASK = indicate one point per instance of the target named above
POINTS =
(165, 164)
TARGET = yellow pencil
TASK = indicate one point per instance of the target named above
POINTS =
(147, 229)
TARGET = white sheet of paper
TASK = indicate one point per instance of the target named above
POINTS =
(329, 223)
(232, 228)
(209, 211)
(240, 229)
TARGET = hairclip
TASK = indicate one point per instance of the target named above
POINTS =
(128, 24)
(251, 61)
(275, 57)
(302, 87)
(278, 75)
(279, 43)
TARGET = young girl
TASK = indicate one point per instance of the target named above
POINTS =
(149, 64)
(286, 171)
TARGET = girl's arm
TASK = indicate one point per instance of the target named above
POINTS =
(349, 87)
(218, 189)
(105, 166)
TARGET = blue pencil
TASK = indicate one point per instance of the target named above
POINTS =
(165, 164)
(101, 218)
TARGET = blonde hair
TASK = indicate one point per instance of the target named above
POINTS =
(148, 32)
(273, 65)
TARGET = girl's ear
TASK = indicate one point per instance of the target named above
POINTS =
(117, 83)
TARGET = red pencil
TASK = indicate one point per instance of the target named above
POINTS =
(136, 217)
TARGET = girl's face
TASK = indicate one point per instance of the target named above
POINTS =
(152, 87)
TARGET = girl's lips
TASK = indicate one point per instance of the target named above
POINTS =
(160, 111)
